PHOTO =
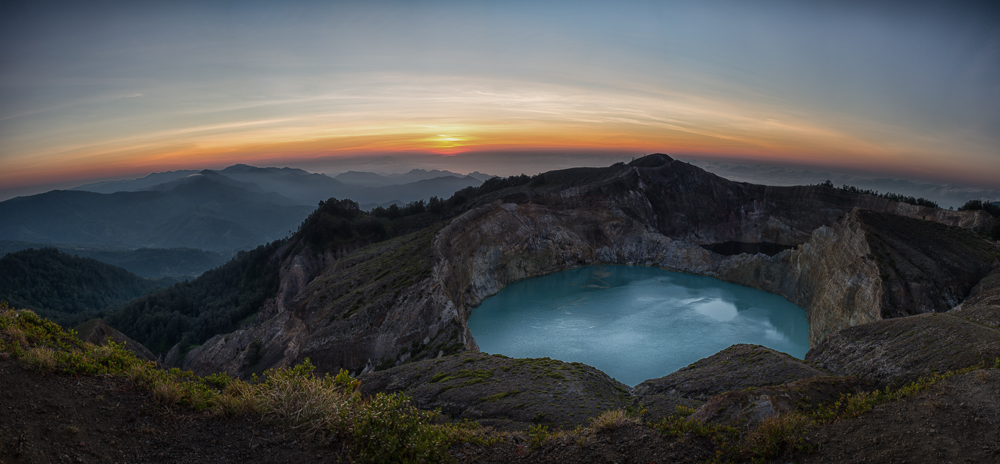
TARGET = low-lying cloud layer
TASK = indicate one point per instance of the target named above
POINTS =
(945, 194)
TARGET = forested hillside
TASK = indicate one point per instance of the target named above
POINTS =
(191, 312)
(67, 289)
(144, 262)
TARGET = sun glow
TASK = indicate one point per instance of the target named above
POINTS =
(698, 81)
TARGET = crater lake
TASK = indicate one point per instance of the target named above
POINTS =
(633, 322)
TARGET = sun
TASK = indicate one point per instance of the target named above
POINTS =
(448, 141)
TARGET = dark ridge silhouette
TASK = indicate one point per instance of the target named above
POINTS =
(737, 248)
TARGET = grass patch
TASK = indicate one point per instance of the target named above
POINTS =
(612, 420)
(498, 396)
(478, 375)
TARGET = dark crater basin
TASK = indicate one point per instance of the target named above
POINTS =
(738, 248)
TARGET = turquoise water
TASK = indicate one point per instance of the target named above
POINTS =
(633, 322)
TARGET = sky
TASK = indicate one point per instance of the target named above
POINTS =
(107, 90)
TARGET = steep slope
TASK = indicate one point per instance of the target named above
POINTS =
(192, 311)
(903, 349)
(870, 266)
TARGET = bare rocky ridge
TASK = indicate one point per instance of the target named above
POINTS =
(409, 298)
(735, 368)
(901, 350)
(503, 392)
(980, 306)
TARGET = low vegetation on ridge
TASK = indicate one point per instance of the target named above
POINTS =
(387, 427)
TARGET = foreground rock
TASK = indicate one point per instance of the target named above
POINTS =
(746, 409)
(956, 420)
(902, 350)
(735, 368)
(983, 304)
(504, 392)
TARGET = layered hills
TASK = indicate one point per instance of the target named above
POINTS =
(194, 212)
(144, 262)
(305, 188)
(236, 208)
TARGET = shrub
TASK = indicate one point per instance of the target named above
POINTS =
(538, 434)
(775, 434)
(612, 420)
(41, 358)
(314, 406)
(388, 429)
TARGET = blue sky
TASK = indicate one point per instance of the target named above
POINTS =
(93, 90)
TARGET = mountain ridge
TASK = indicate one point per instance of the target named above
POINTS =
(656, 211)
(236, 208)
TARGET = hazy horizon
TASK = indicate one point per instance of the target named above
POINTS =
(886, 89)
(778, 174)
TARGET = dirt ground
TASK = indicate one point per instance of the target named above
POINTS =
(57, 418)
(954, 421)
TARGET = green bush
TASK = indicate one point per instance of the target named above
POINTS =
(389, 429)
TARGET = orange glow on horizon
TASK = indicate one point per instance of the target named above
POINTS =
(218, 146)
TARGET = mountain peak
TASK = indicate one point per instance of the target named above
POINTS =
(651, 161)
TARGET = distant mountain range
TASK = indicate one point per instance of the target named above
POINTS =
(236, 208)
(370, 179)
(305, 188)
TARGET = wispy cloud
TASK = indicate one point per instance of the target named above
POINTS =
(909, 90)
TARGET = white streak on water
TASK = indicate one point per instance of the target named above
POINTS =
(640, 323)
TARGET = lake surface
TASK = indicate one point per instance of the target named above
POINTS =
(633, 322)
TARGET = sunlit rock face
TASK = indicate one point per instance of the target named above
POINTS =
(845, 269)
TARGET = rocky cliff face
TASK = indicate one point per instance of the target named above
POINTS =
(868, 267)
(410, 298)
(376, 307)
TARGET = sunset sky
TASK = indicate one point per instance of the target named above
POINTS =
(99, 90)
